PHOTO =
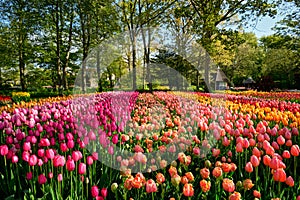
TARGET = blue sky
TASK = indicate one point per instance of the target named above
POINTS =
(263, 26)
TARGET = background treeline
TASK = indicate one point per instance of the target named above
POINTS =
(43, 44)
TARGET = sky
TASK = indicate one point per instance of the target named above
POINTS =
(264, 26)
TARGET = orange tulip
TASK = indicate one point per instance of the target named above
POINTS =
(248, 184)
(235, 196)
(204, 173)
(205, 185)
(188, 190)
(217, 172)
(228, 185)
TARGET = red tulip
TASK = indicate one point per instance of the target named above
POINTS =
(217, 172)
(290, 181)
(295, 150)
(239, 148)
(286, 154)
(274, 163)
(266, 160)
(256, 194)
(95, 191)
(249, 167)
(256, 152)
(254, 161)
(279, 175)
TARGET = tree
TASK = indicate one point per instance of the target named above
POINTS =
(211, 16)
(19, 16)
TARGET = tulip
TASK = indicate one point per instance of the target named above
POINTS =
(76, 155)
(175, 180)
(59, 177)
(81, 168)
(26, 156)
(151, 186)
(114, 187)
(33, 160)
(295, 150)
(184, 180)
(3, 150)
(228, 185)
(50, 154)
(290, 181)
(279, 175)
(204, 173)
(160, 178)
(89, 160)
(14, 159)
(104, 192)
(42, 179)
(29, 175)
(249, 167)
(256, 194)
(248, 184)
(59, 161)
(239, 148)
(205, 185)
(254, 161)
(94, 191)
(188, 190)
(70, 165)
(235, 196)
(217, 172)
(286, 154)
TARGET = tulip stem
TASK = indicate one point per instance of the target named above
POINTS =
(295, 167)
(256, 175)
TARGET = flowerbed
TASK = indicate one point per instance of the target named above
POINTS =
(123, 145)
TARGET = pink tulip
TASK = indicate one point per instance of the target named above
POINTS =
(94, 191)
(42, 179)
(104, 192)
(81, 168)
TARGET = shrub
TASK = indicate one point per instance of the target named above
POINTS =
(20, 96)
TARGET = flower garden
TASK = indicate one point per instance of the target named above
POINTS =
(160, 145)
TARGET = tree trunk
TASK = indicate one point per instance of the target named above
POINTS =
(58, 41)
(133, 43)
(99, 71)
(22, 69)
(64, 73)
